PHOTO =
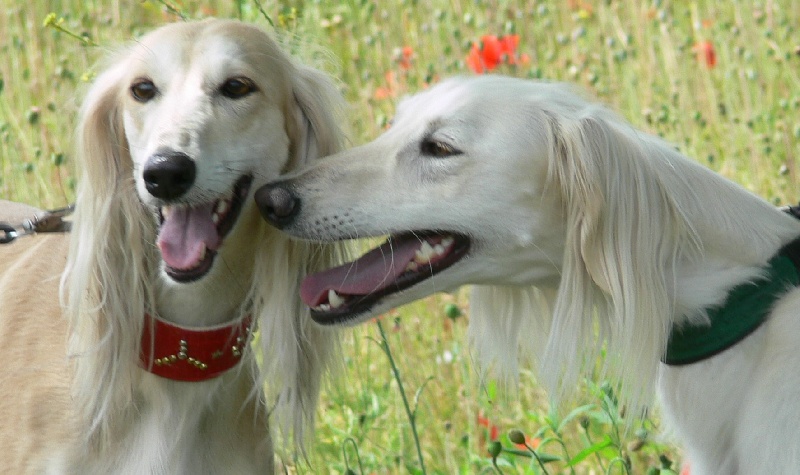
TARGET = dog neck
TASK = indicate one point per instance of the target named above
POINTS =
(192, 354)
(746, 307)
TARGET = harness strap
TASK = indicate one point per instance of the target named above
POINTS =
(747, 306)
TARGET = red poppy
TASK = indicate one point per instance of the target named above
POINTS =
(474, 61)
(405, 57)
(483, 421)
(492, 51)
(494, 433)
(508, 45)
(389, 90)
(706, 53)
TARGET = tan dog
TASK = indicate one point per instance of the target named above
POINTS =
(146, 368)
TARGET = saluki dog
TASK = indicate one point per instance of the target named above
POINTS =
(126, 347)
(580, 233)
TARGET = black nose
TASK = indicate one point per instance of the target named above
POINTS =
(168, 175)
(277, 204)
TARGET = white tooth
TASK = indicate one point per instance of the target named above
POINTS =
(203, 253)
(424, 253)
(447, 242)
(426, 248)
(215, 218)
(166, 211)
(438, 249)
(334, 299)
(412, 266)
(324, 307)
(222, 207)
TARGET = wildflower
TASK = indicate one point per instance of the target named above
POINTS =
(508, 45)
(403, 57)
(474, 61)
(583, 8)
(705, 52)
(494, 431)
(388, 91)
(483, 421)
(446, 357)
(492, 51)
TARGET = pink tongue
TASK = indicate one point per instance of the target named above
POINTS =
(184, 235)
(372, 272)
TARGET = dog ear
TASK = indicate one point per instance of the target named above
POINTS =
(315, 130)
(102, 304)
(296, 351)
(624, 235)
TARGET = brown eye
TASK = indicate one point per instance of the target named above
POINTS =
(434, 148)
(143, 90)
(235, 88)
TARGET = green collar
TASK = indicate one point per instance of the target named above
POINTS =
(745, 309)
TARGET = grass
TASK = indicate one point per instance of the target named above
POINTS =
(647, 59)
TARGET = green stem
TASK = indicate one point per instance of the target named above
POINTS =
(264, 13)
(411, 414)
(57, 23)
(622, 462)
(591, 443)
(536, 456)
(173, 9)
(358, 456)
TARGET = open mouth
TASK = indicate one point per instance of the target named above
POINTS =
(190, 235)
(341, 293)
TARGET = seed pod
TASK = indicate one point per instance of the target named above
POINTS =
(516, 436)
(495, 448)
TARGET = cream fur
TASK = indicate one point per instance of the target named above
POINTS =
(74, 398)
(586, 234)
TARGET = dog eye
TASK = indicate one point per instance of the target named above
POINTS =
(235, 88)
(434, 148)
(143, 90)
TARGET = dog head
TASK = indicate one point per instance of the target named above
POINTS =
(459, 183)
(193, 116)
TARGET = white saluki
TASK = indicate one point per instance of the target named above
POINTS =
(147, 369)
(579, 231)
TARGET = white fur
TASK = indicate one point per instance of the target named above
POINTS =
(585, 233)
(120, 418)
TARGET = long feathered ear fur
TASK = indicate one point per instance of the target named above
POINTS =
(624, 236)
(105, 304)
(297, 352)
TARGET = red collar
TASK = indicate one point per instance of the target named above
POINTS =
(187, 354)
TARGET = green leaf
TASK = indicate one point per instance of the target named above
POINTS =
(573, 414)
(598, 446)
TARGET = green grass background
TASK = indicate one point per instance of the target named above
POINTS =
(740, 118)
